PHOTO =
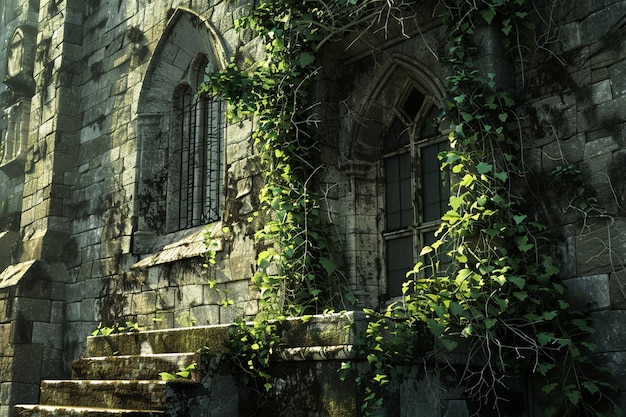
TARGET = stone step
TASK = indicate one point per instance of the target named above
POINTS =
(318, 330)
(119, 376)
(181, 340)
(136, 395)
(147, 367)
(60, 411)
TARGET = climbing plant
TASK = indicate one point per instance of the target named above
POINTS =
(500, 297)
(503, 301)
(297, 272)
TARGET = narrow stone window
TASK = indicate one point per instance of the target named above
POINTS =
(196, 157)
(416, 193)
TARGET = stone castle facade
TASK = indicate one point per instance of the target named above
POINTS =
(104, 201)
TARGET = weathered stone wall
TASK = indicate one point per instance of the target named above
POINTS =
(574, 99)
(86, 204)
(106, 282)
(76, 201)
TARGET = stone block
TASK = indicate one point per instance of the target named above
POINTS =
(617, 73)
(559, 151)
(57, 312)
(456, 408)
(13, 393)
(229, 314)
(206, 314)
(238, 133)
(163, 320)
(601, 92)
(190, 295)
(74, 292)
(590, 291)
(214, 295)
(604, 115)
(93, 288)
(32, 309)
(598, 24)
(30, 279)
(597, 245)
(6, 339)
(610, 326)
(22, 332)
(600, 146)
(5, 368)
(72, 311)
(166, 298)
(238, 291)
(570, 36)
(57, 291)
(27, 361)
(144, 303)
(52, 364)
(49, 335)
(88, 310)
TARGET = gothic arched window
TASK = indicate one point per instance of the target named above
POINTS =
(196, 156)
(416, 194)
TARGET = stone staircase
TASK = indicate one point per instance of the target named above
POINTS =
(119, 373)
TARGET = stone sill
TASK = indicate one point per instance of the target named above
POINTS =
(185, 244)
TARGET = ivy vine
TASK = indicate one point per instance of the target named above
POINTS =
(503, 301)
(488, 282)
(297, 272)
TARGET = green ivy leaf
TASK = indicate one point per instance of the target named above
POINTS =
(305, 59)
(502, 176)
(329, 265)
(484, 168)
(544, 338)
(520, 295)
(456, 309)
(574, 396)
(488, 14)
(591, 386)
(490, 322)
(548, 388)
(518, 281)
(166, 376)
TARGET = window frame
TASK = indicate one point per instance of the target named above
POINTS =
(420, 228)
(195, 194)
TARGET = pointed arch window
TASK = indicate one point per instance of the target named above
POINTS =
(196, 156)
(416, 195)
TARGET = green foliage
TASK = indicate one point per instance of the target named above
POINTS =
(297, 273)
(251, 346)
(183, 373)
(571, 182)
(390, 343)
(127, 327)
(502, 298)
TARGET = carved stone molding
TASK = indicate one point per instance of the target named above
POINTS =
(14, 122)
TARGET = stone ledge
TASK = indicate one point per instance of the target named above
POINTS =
(49, 411)
(316, 353)
(29, 278)
(182, 245)
(315, 331)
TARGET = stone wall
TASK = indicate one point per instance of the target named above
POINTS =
(76, 198)
(576, 116)
(82, 202)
